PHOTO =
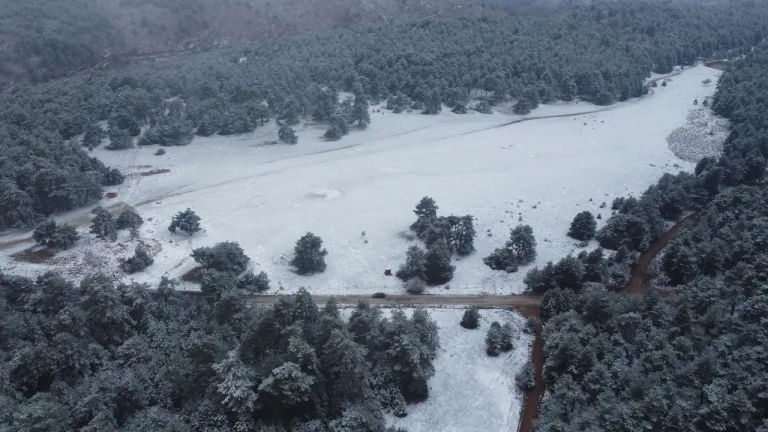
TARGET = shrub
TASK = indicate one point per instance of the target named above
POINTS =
(254, 283)
(129, 219)
(526, 378)
(309, 255)
(415, 286)
(470, 319)
(140, 260)
(186, 221)
(583, 226)
(225, 257)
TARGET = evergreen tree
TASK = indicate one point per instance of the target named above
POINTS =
(103, 225)
(139, 261)
(289, 113)
(119, 139)
(523, 244)
(287, 135)
(129, 219)
(433, 103)
(226, 257)
(437, 264)
(414, 266)
(360, 113)
(309, 255)
(426, 212)
(494, 339)
(583, 226)
(333, 133)
(470, 319)
(508, 333)
(186, 221)
(53, 235)
(252, 283)
(93, 136)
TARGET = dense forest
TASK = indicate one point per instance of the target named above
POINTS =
(601, 53)
(105, 357)
(696, 360)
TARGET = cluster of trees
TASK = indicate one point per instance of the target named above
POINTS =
(53, 235)
(100, 356)
(443, 237)
(600, 53)
(696, 361)
(519, 250)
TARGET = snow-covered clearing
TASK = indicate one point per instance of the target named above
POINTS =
(266, 196)
(470, 390)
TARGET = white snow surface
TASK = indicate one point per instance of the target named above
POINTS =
(471, 392)
(265, 196)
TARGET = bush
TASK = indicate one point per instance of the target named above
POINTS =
(415, 260)
(437, 264)
(502, 259)
(140, 260)
(415, 286)
(309, 255)
(225, 257)
(470, 319)
(103, 225)
(186, 221)
(160, 152)
(583, 226)
(58, 236)
(254, 283)
(526, 378)
(520, 249)
(129, 219)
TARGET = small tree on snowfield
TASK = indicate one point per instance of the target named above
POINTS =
(287, 135)
(493, 339)
(309, 255)
(437, 264)
(226, 257)
(58, 236)
(414, 264)
(129, 219)
(523, 244)
(470, 319)
(139, 261)
(415, 285)
(186, 221)
(103, 225)
(583, 226)
(426, 212)
(254, 283)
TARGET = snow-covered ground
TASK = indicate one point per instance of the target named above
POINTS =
(265, 197)
(470, 391)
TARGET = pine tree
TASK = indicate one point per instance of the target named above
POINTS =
(287, 135)
(333, 133)
(103, 225)
(508, 333)
(53, 235)
(140, 260)
(464, 235)
(186, 221)
(437, 264)
(523, 244)
(583, 226)
(470, 319)
(309, 255)
(226, 257)
(252, 283)
(129, 219)
(289, 113)
(93, 136)
(493, 339)
(414, 264)
(426, 212)
(360, 111)
(433, 103)
(119, 139)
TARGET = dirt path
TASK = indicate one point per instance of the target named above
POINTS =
(638, 280)
(532, 401)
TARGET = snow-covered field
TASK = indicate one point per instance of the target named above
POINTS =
(265, 197)
(470, 391)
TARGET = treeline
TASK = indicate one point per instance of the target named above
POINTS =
(601, 53)
(696, 361)
(106, 357)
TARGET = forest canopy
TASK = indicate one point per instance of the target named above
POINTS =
(600, 53)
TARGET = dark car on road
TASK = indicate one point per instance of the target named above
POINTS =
(379, 295)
